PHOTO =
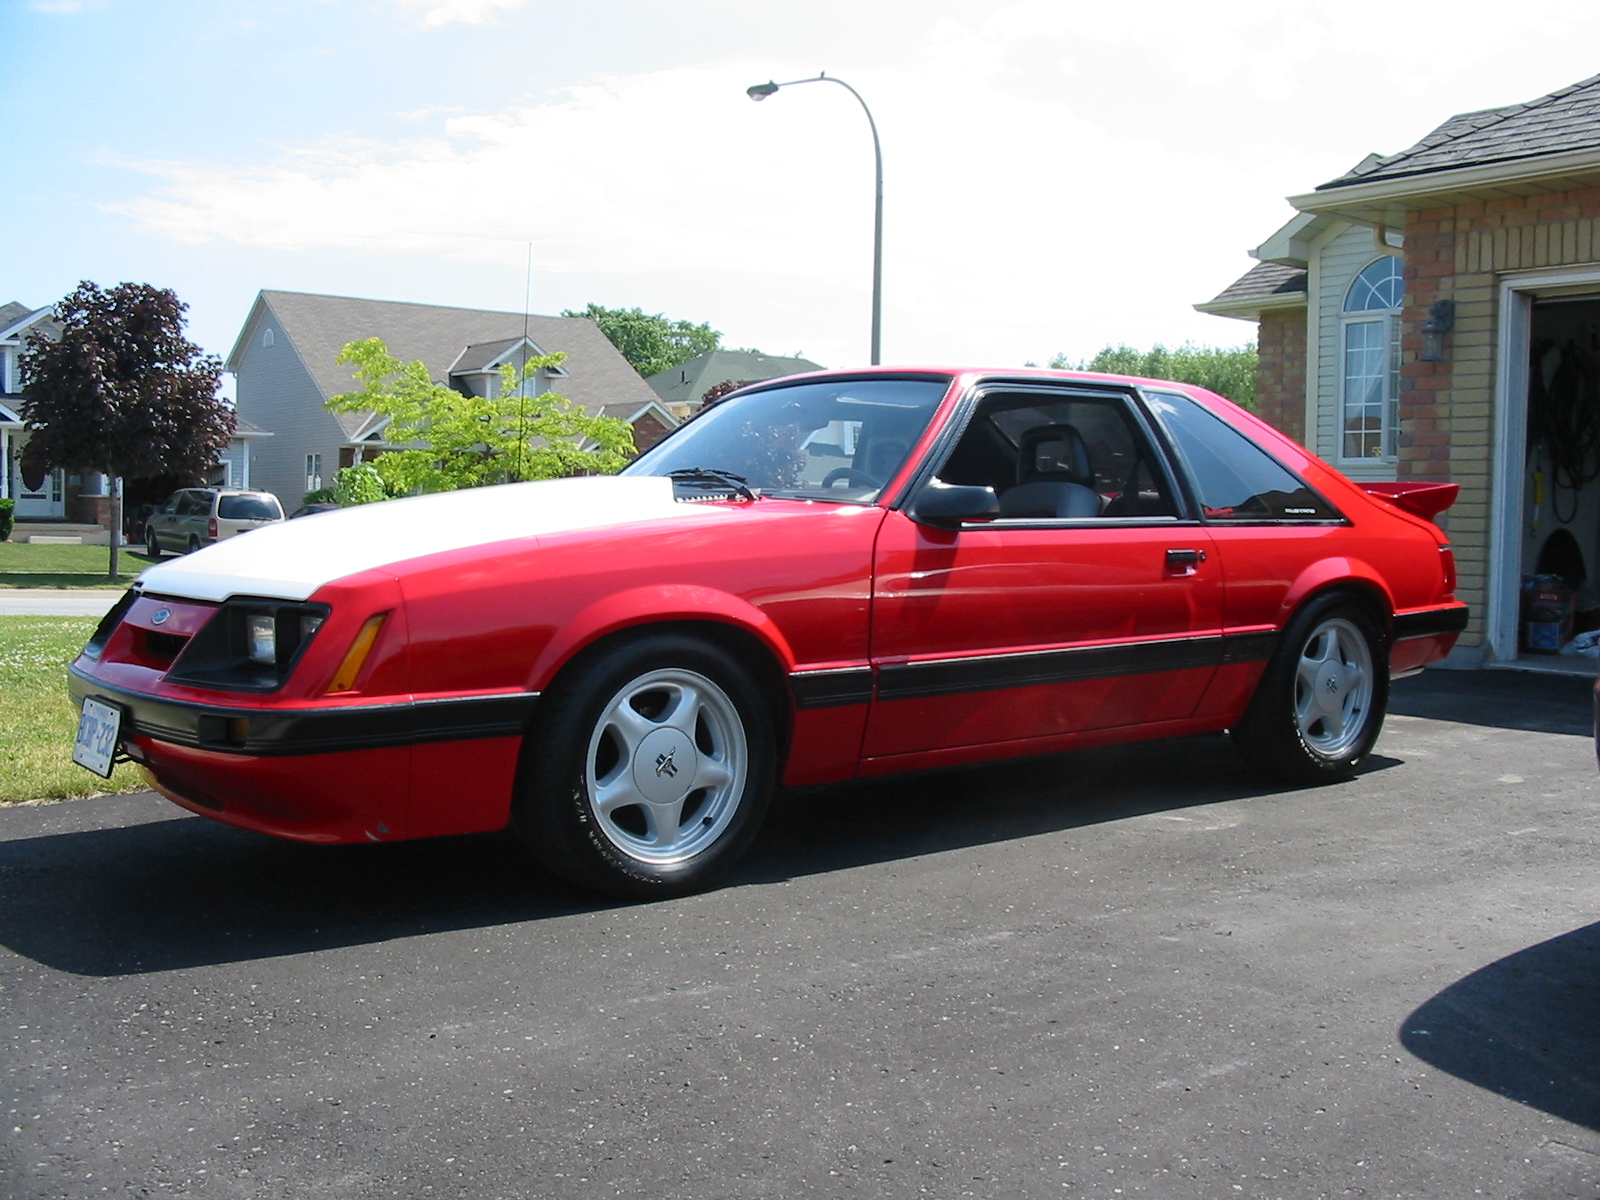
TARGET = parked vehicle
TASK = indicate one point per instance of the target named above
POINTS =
(311, 510)
(823, 577)
(194, 517)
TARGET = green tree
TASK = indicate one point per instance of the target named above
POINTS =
(358, 484)
(122, 391)
(652, 343)
(451, 441)
(1228, 371)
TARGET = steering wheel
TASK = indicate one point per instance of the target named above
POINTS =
(851, 476)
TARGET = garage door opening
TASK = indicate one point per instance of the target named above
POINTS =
(1558, 625)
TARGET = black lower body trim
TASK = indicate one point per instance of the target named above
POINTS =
(907, 681)
(831, 689)
(276, 733)
(1430, 623)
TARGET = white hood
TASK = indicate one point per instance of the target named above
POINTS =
(290, 560)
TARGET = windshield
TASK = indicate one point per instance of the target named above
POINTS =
(842, 439)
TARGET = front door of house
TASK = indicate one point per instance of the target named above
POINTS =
(40, 493)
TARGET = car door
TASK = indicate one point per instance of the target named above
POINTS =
(162, 521)
(1092, 602)
(1267, 526)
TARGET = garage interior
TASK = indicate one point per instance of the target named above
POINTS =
(1559, 626)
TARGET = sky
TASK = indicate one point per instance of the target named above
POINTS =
(1058, 176)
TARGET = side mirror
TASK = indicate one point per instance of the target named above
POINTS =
(946, 505)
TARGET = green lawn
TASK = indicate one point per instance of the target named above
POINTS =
(37, 721)
(25, 566)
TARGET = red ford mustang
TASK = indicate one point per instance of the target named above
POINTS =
(822, 577)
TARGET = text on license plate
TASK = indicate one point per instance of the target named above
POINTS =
(99, 732)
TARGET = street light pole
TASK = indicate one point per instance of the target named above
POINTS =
(760, 92)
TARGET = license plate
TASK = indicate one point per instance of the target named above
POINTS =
(99, 734)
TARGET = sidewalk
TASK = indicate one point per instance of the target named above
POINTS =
(57, 602)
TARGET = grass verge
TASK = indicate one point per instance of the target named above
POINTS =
(25, 566)
(37, 722)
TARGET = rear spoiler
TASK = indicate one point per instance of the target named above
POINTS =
(1425, 500)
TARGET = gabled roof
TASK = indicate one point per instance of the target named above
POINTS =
(1564, 121)
(321, 326)
(8, 416)
(1265, 286)
(482, 356)
(15, 317)
(688, 382)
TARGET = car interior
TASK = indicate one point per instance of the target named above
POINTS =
(1082, 457)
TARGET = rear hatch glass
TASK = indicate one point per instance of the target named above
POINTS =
(248, 508)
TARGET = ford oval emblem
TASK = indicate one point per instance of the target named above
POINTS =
(159, 617)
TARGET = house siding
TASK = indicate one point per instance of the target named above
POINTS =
(1447, 408)
(276, 392)
(1341, 260)
(1281, 375)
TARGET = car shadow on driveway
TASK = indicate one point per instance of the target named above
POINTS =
(1526, 1027)
(171, 894)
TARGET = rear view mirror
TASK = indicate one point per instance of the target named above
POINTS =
(946, 505)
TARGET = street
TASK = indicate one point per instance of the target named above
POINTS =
(1123, 972)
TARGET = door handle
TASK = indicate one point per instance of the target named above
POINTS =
(1178, 560)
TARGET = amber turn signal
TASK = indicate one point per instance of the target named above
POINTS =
(344, 679)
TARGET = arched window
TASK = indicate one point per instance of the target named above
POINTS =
(266, 338)
(1370, 395)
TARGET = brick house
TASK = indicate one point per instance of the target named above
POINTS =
(1435, 314)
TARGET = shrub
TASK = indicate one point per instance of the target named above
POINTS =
(6, 518)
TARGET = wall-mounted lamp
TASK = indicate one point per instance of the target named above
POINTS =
(1441, 320)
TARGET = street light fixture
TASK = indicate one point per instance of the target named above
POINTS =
(761, 91)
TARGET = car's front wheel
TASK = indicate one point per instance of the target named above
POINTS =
(649, 768)
(1320, 703)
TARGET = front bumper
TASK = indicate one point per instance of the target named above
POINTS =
(344, 772)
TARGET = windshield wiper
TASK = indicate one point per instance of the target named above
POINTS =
(738, 483)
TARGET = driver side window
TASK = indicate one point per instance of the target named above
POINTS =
(1067, 458)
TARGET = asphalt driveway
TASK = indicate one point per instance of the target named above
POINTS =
(1124, 972)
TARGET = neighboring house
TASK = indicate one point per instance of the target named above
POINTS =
(1435, 314)
(287, 368)
(40, 493)
(48, 494)
(682, 387)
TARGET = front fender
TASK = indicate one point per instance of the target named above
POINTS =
(644, 606)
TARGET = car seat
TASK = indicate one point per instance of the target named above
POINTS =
(1054, 476)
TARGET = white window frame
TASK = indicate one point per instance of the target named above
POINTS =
(313, 472)
(1389, 428)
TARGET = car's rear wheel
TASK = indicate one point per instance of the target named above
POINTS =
(1320, 703)
(152, 544)
(194, 543)
(649, 768)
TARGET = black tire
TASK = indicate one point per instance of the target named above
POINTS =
(1320, 703)
(194, 543)
(606, 789)
(152, 544)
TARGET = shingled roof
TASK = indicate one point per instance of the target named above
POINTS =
(1265, 285)
(688, 382)
(1564, 121)
(320, 326)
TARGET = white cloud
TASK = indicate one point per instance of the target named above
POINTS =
(1057, 177)
(60, 8)
(462, 12)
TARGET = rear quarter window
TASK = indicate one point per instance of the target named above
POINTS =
(1234, 479)
(248, 508)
